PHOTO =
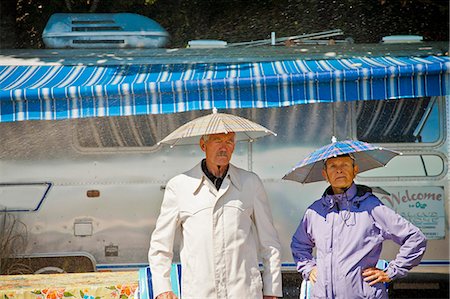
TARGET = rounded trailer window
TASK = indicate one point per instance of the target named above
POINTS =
(399, 121)
(409, 166)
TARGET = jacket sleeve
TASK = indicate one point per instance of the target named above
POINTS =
(270, 248)
(160, 253)
(396, 228)
(302, 245)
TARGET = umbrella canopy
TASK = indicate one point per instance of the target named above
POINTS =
(216, 123)
(367, 156)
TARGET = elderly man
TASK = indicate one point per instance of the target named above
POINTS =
(347, 226)
(226, 225)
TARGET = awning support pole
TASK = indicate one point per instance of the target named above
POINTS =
(249, 155)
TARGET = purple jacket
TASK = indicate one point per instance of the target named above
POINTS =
(348, 231)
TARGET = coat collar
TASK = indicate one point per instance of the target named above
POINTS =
(354, 194)
(232, 175)
(329, 199)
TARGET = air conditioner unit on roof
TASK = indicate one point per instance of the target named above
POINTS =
(103, 30)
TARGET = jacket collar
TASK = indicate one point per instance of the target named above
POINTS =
(232, 175)
(329, 199)
(355, 194)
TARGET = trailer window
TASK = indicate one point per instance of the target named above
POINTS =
(171, 122)
(117, 132)
(398, 121)
(409, 166)
(22, 197)
(130, 132)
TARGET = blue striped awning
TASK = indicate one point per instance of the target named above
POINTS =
(45, 92)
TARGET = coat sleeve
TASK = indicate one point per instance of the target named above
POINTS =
(302, 245)
(396, 228)
(270, 248)
(160, 253)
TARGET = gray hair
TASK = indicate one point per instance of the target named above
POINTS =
(350, 155)
(206, 137)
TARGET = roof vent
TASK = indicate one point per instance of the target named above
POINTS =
(207, 43)
(103, 30)
(401, 39)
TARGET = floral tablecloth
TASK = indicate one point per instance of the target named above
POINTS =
(97, 285)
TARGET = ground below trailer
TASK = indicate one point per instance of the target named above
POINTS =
(415, 285)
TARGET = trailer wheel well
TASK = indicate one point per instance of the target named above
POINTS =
(52, 264)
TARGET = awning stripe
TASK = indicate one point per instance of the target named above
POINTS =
(59, 92)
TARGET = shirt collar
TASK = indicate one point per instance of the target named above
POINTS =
(217, 181)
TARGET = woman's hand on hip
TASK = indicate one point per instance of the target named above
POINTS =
(374, 275)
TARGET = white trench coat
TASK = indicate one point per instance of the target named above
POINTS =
(223, 234)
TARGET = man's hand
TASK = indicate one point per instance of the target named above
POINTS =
(167, 295)
(270, 297)
(374, 275)
(313, 275)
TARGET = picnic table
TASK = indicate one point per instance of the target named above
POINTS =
(93, 285)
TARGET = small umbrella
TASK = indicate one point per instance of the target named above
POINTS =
(367, 156)
(216, 123)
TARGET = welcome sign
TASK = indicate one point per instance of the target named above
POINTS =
(423, 206)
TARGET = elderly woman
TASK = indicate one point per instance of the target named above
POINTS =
(348, 226)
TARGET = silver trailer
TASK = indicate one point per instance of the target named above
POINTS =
(84, 194)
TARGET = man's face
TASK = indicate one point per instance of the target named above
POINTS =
(340, 172)
(218, 148)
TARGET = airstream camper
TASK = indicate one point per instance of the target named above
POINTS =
(82, 175)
